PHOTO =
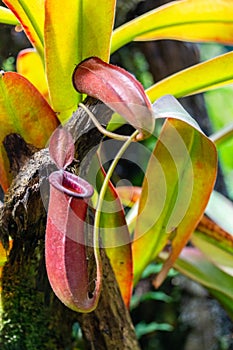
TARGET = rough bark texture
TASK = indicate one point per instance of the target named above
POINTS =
(33, 318)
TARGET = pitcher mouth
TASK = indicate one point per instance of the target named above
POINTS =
(70, 184)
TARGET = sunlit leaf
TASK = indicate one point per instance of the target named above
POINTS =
(176, 189)
(31, 15)
(23, 111)
(30, 65)
(7, 17)
(188, 20)
(220, 210)
(219, 104)
(118, 89)
(194, 264)
(115, 237)
(198, 78)
(74, 30)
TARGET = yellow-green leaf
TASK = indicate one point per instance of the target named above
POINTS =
(24, 111)
(31, 15)
(115, 238)
(30, 65)
(188, 20)
(176, 188)
(201, 77)
(74, 30)
(7, 17)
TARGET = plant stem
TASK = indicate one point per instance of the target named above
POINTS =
(222, 135)
(101, 129)
(105, 186)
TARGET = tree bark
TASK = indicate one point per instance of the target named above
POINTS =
(33, 318)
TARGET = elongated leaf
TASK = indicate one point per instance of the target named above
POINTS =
(31, 15)
(30, 65)
(7, 17)
(219, 104)
(116, 239)
(201, 77)
(23, 111)
(74, 30)
(177, 185)
(194, 264)
(188, 20)
(118, 89)
(215, 243)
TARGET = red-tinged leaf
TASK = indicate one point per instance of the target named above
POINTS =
(115, 237)
(65, 251)
(61, 148)
(26, 62)
(31, 15)
(74, 30)
(118, 89)
(24, 111)
(129, 195)
(176, 189)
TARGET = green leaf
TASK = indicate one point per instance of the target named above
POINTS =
(31, 15)
(32, 117)
(143, 328)
(188, 20)
(193, 264)
(198, 78)
(176, 189)
(137, 299)
(219, 105)
(7, 17)
(215, 243)
(84, 30)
